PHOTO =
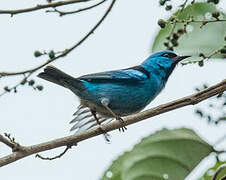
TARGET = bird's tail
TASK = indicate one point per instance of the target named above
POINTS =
(56, 76)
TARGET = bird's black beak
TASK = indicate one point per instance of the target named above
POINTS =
(177, 59)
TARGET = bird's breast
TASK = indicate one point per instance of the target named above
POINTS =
(124, 99)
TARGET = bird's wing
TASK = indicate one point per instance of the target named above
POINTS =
(133, 74)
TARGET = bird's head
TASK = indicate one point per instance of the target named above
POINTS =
(162, 62)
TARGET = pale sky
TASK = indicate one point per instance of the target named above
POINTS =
(123, 40)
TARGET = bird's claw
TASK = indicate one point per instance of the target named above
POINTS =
(106, 135)
(120, 119)
(123, 128)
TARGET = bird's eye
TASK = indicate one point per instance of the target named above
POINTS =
(165, 55)
(169, 55)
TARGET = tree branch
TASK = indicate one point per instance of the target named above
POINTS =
(55, 157)
(204, 57)
(202, 22)
(6, 141)
(29, 72)
(41, 6)
(65, 52)
(74, 139)
(63, 13)
(10, 142)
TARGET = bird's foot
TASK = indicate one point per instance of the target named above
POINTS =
(105, 103)
(123, 128)
(107, 138)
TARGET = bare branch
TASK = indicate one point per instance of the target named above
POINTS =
(41, 6)
(63, 13)
(74, 139)
(55, 157)
(203, 22)
(22, 82)
(10, 142)
(204, 57)
(183, 6)
(6, 141)
(65, 52)
(61, 55)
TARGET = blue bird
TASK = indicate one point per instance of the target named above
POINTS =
(110, 95)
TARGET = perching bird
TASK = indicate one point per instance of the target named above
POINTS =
(110, 95)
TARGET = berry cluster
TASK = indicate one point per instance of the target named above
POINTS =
(23, 82)
(51, 54)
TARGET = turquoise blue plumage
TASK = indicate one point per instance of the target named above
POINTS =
(111, 95)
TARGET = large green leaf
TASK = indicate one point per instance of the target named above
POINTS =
(210, 172)
(167, 154)
(200, 40)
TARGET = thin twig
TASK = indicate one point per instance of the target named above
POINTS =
(6, 141)
(41, 6)
(174, 21)
(63, 54)
(11, 143)
(183, 6)
(17, 85)
(63, 13)
(55, 157)
(188, 100)
(204, 22)
(203, 57)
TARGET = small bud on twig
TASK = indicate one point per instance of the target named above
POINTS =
(37, 53)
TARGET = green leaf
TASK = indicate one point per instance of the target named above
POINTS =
(114, 171)
(166, 154)
(204, 40)
(210, 172)
(221, 173)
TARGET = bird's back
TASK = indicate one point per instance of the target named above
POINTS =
(128, 90)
